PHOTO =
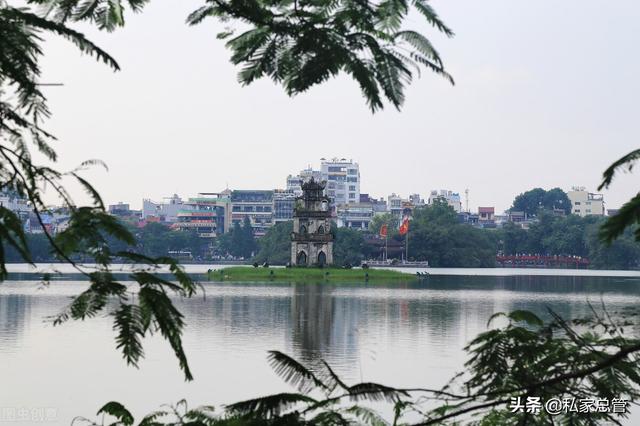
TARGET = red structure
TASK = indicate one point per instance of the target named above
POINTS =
(538, 261)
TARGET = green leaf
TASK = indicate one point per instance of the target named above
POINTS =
(118, 411)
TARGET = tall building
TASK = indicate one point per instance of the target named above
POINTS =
(343, 180)
(584, 203)
(311, 239)
(257, 205)
(452, 198)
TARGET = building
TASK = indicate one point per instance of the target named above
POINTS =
(19, 205)
(343, 180)
(165, 211)
(294, 182)
(256, 205)
(416, 201)
(486, 214)
(209, 215)
(355, 216)
(284, 201)
(584, 203)
(452, 198)
(379, 206)
(311, 239)
(394, 205)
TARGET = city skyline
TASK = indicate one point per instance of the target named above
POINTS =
(529, 109)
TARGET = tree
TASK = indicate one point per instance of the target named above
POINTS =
(629, 214)
(537, 199)
(303, 43)
(298, 44)
(348, 247)
(384, 219)
(435, 235)
(275, 245)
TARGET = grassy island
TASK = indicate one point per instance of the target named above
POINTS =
(331, 275)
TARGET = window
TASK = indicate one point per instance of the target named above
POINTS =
(333, 169)
(352, 179)
(353, 171)
(352, 196)
(352, 187)
(577, 203)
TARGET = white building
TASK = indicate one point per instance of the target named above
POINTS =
(452, 198)
(394, 205)
(166, 211)
(20, 206)
(355, 216)
(584, 203)
(294, 181)
(343, 180)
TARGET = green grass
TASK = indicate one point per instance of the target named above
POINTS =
(331, 275)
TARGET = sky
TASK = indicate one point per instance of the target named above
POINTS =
(546, 95)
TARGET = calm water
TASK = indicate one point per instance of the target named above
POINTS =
(402, 335)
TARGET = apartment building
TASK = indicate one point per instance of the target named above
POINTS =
(257, 205)
(452, 198)
(343, 180)
(585, 203)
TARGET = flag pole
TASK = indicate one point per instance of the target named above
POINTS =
(386, 248)
(406, 246)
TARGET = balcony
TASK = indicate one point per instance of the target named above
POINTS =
(314, 238)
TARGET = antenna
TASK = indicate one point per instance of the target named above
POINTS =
(466, 199)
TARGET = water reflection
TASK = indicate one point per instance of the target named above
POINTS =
(404, 335)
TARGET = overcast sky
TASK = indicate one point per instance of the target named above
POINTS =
(546, 95)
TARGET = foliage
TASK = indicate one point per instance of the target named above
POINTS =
(239, 242)
(534, 200)
(349, 247)
(91, 231)
(571, 235)
(589, 357)
(275, 245)
(155, 239)
(384, 219)
(629, 214)
(301, 43)
(436, 235)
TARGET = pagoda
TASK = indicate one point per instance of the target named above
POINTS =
(311, 239)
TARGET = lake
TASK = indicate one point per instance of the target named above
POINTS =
(408, 335)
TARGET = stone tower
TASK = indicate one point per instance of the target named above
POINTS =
(311, 239)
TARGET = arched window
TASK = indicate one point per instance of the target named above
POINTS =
(321, 229)
(322, 258)
(302, 258)
(303, 229)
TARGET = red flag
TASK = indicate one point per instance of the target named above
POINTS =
(383, 230)
(404, 228)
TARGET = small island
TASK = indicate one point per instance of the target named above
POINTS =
(315, 275)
